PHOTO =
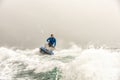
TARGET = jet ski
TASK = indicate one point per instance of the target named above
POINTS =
(47, 50)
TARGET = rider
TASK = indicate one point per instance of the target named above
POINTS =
(51, 41)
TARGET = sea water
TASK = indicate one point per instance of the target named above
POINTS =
(67, 64)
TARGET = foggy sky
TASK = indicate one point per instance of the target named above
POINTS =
(27, 23)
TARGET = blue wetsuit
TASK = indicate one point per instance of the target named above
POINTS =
(51, 41)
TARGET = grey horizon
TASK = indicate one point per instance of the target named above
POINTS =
(27, 23)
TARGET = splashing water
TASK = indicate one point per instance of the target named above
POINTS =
(69, 64)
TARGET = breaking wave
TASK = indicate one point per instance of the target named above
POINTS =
(68, 64)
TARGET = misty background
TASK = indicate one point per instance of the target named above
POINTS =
(27, 23)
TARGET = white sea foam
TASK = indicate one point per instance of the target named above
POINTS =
(74, 63)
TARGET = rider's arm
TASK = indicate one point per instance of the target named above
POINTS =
(48, 39)
(54, 43)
